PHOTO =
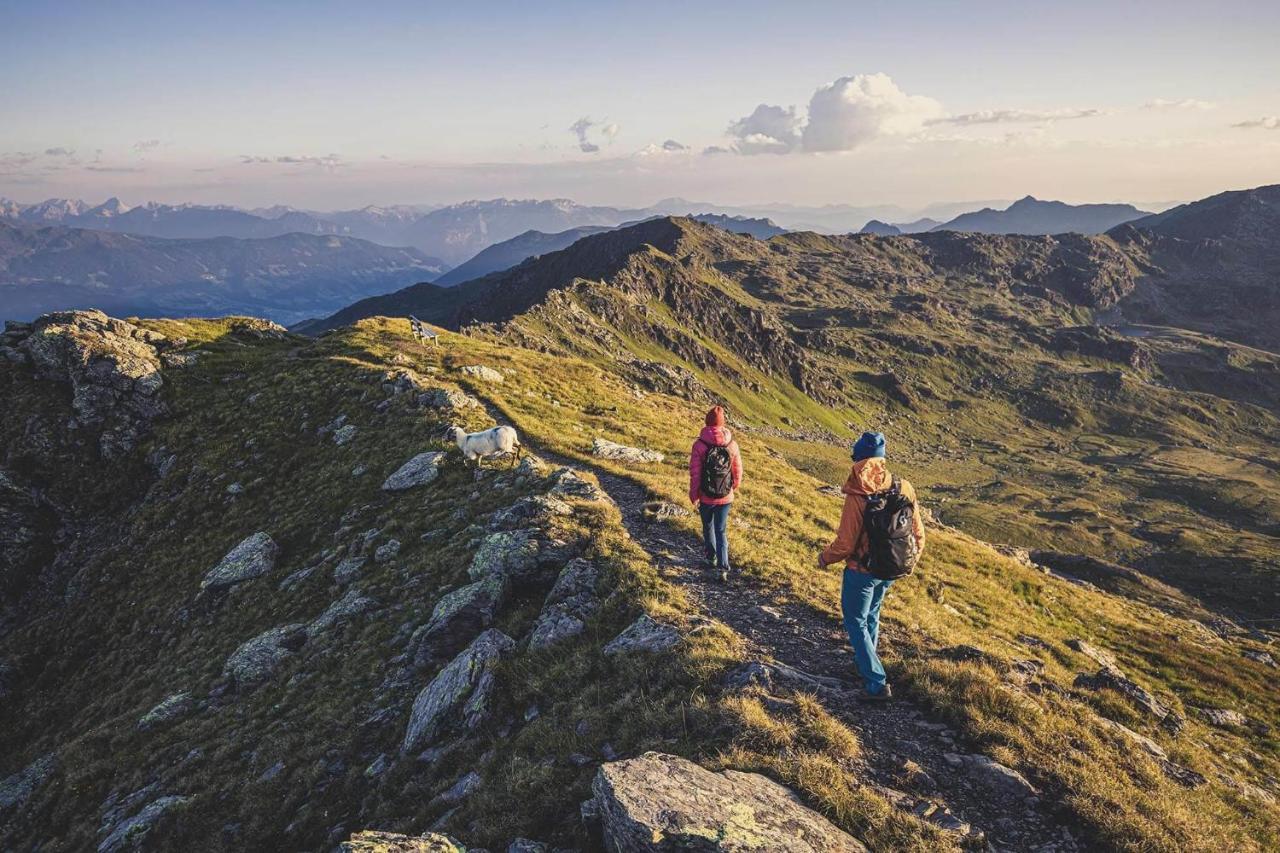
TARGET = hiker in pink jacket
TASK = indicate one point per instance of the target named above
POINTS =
(715, 471)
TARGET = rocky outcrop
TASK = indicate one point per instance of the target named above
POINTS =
(566, 482)
(664, 803)
(530, 511)
(458, 616)
(344, 609)
(170, 708)
(606, 449)
(257, 660)
(1224, 718)
(993, 775)
(113, 368)
(390, 842)
(643, 635)
(252, 558)
(511, 553)
(571, 601)
(130, 833)
(27, 526)
(18, 788)
(448, 399)
(460, 694)
(1109, 678)
(418, 471)
(481, 372)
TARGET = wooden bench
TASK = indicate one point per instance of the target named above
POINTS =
(423, 332)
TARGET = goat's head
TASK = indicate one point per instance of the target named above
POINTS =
(452, 433)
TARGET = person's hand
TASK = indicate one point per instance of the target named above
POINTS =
(821, 564)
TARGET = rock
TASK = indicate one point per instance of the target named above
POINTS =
(1224, 718)
(1260, 657)
(387, 551)
(966, 654)
(344, 434)
(113, 368)
(458, 616)
(511, 553)
(567, 482)
(654, 510)
(18, 788)
(480, 371)
(664, 803)
(1111, 679)
(170, 708)
(446, 398)
(750, 674)
(606, 449)
(351, 605)
(418, 471)
(1148, 745)
(461, 789)
(131, 833)
(258, 329)
(253, 557)
(525, 845)
(572, 600)
(377, 767)
(332, 426)
(531, 511)
(643, 635)
(1097, 655)
(349, 569)
(390, 842)
(399, 381)
(235, 489)
(257, 660)
(992, 773)
(460, 690)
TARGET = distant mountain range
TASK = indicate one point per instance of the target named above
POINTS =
(285, 278)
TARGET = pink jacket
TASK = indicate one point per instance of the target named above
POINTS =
(712, 435)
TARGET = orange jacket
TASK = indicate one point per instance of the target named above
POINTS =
(867, 477)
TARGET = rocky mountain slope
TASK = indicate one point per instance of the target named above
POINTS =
(286, 278)
(1033, 216)
(255, 600)
(508, 253)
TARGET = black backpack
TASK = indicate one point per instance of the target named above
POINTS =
(717, 471)
(887, 529)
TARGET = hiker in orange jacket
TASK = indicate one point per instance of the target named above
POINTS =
(715, 472)
(862, 592)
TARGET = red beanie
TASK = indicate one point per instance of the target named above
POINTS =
(715, 417)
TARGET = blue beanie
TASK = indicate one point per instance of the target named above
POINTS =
(870, 445)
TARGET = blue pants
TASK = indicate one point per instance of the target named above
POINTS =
(714, 538)
(861, 595)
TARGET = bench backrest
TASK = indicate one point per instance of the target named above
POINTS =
(420, 329)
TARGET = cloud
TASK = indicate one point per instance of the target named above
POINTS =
(115, 169)
(1015, 116)
(59, 152)
(716, 149)
(1266, 123)
(145, 145)
(855, 110)
(329, 161)
(768, 130)
(672, 145)
(1180, 104)
(579, 129)
(611, 130)
(18, 158)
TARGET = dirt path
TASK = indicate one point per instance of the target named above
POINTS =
(814, 653)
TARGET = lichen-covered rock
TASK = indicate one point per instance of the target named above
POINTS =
(1260, 656)
(18, 788)
(258, 328)
(606, 449)
(513, 553)
(643, 635)
(446, 398)
(257, 660)
(1110, 678)
(130, 833)
(664, 803)
(480, 371)
(994, 775)
(459, 616)
(387, 551)
(1224, 718)
(570, 602)
(253, 557)
(530, 511)
(351, 605)
(418, 471)
(113, 368)
(343, 434)
(1097, 655)
(170, 708)
(459, 694)
(349, 568)
(390, 842)
(568, 483)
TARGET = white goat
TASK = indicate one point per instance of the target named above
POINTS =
(499, 441)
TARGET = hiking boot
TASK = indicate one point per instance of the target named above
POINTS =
(723, 574)
(883, 696)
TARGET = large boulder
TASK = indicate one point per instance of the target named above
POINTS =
(418, 471)
(130, 833)
(170, 708)
(664, 803)
(643, 635)
(446, 398)
(606, 449)
(459, 616)
(18, 788)
(252, 558)
(570, 603)
(459, 694)
(512, 553)
(344, 609)
(257, 660)
(113, 368)
(391, 842)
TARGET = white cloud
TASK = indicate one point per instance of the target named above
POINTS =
(768, 130)
(855, 110)
(145, 145)
(610, 130)
(1015, 116)
(330, 162)
(672, 145)
(1179, 104)
(579, 129)
(1266, 123)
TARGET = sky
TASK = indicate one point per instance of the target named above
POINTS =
(338, 105)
